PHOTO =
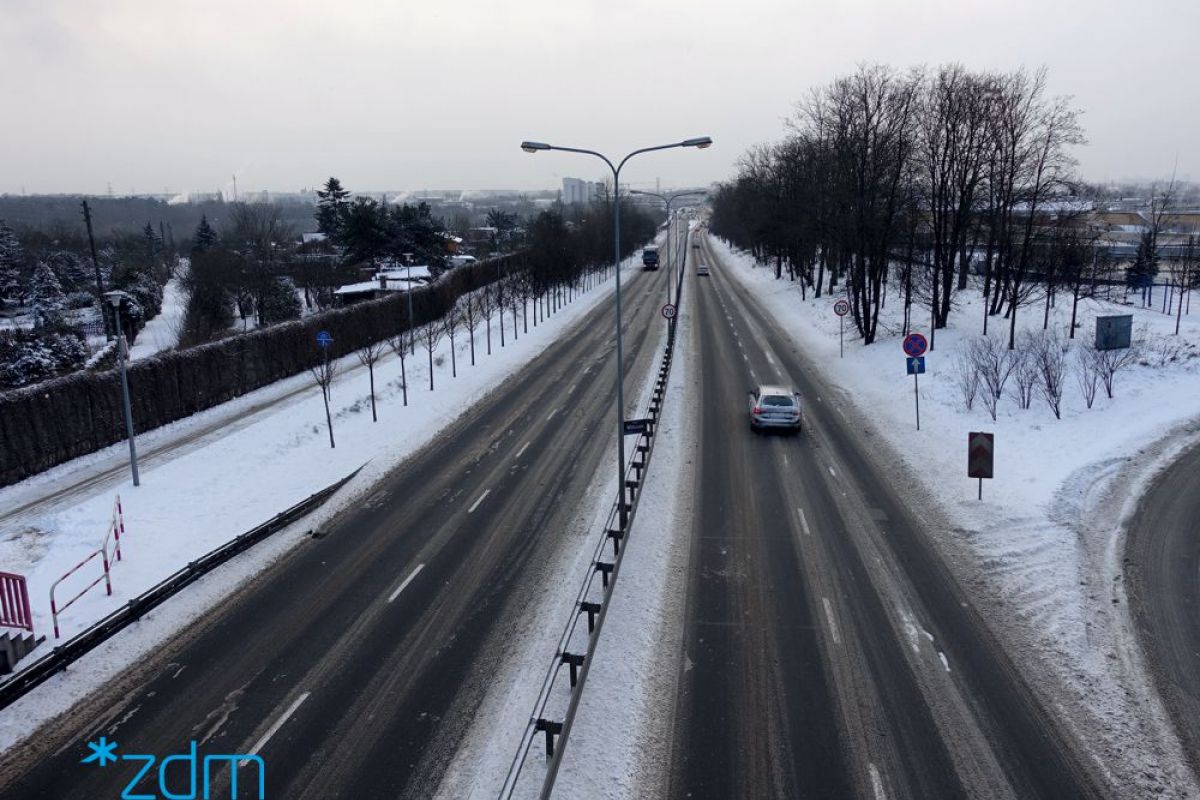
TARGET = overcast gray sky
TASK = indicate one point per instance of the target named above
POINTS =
(393, 94)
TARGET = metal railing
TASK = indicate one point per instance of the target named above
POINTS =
(14, 602)
(63, 655)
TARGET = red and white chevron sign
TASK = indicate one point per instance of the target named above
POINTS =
(980, 449)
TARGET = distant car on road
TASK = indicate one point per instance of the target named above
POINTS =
(695, 243)
(775, 407)
(650, 258)
(702, 269)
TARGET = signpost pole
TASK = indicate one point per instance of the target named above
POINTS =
(917, 397)
(841, 336)
(981, 488)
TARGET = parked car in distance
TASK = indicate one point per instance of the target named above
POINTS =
(702, 269)
(774, 408)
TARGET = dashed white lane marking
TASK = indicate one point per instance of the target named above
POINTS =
(831, 472)
(785, 460)
(275, 728)
(804, 522)
(570, 388)
(833, 628)
(406, 582)
(552, 413)
(876, 783)
(475, 505)
(945, 662)
(521, 452)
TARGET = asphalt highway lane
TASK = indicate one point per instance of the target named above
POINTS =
(1163, 554)
(354, 665)
(828, 652)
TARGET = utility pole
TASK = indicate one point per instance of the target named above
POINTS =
(87, 218)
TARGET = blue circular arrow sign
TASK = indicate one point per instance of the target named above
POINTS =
(324, 339)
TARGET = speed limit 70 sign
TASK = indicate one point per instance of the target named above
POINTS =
(841, 307)
(668, 311)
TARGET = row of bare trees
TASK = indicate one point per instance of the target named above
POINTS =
(915, 179)
(1039, 366)
(528, 295)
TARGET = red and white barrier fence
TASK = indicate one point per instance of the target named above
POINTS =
(14, 602)
(113, 535)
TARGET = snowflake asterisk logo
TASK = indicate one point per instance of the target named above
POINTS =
(102, 752)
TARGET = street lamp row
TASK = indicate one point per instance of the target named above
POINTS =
(700, 142)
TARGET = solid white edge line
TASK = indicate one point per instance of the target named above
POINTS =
(475, 505)
(274, 729)
(521, 452)
(833, 628)
(804, 522)
(407, 581)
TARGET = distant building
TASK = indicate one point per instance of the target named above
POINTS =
(579, 192)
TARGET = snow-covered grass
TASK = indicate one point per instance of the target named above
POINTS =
(1042, 550)
(189, 504)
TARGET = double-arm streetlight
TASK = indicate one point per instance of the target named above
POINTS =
(533, 147)
(669, 199)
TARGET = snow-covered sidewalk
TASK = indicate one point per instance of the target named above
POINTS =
(1042, 550)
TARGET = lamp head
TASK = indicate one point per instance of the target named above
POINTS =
(699, 143)
(533, 147)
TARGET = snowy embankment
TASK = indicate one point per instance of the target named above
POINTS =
(196, 501)
(1042, 551)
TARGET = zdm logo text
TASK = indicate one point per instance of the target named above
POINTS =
(196, 772)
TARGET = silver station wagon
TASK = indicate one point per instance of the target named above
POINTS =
(774, 407)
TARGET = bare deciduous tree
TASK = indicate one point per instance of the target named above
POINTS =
(368, 356)
(431, 334)
(451, 322)
(1110, 362)
(399, 344)
(1050, 356)
(470, 317)
(323, 374)
(966, 378)
(1087, 373)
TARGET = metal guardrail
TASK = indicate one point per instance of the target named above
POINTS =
(63, 655)
(579, 664)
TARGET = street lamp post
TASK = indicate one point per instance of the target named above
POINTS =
(114, 299)
(668, 199)
(533, 147)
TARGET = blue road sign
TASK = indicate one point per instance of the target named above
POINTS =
(914, 345)
(916, 366)
(324, 339)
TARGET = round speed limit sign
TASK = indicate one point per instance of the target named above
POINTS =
(841, 308)
(668, 311)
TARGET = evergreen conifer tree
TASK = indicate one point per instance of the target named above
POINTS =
(10, 264)
(332, 207)
(205, 237)
(46, 295)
